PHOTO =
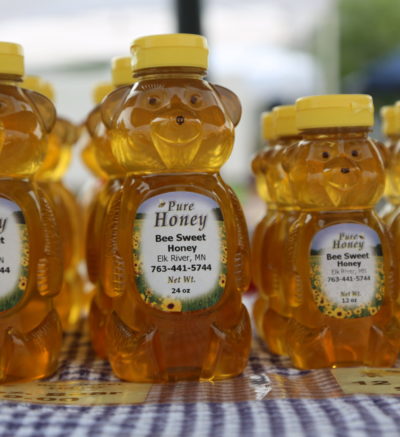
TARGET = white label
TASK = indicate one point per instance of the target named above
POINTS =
(179, 251)
(347, 276)
(14, 254)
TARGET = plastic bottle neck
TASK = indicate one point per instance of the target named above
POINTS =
(336, 133)
(10, 79)
(170, 72)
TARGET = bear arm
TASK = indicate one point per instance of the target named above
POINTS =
(242, 253)
(50, 263)
(293, 248)
(92, 243)
(114, 267)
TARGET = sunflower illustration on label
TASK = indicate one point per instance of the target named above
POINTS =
(14, 254)
(346, 271)
(180, 251)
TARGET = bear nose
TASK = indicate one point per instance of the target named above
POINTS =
(345, 170)
(180, 119)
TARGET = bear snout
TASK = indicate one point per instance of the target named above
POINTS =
(345, 170)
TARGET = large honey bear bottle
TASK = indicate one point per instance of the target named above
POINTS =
(121, 71)
(30, 250)
(177, 251)
(340, 250)
(69, 302)
(277, 282)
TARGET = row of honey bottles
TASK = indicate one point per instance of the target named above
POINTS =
(324, 262)
(167, 246)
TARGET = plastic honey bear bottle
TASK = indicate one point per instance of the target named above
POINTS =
(68, 302)
(391, 130)
(30, 249)
(177, 252)
(92, 187)
(277, 282)
(340, 250)
(259, 166)
(101, 303)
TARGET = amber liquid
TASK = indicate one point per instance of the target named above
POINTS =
(146, 344)
(177, 137)
(100, 306)
(276, 282)
(392, 187)
(69, 302)
(260, 166)
(315, 339)
(31, 333)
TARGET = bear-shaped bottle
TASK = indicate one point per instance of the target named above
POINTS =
(121, 72)
(341, 255)
(259, 166)
(176, 243)
(69, 302)
(390, 123)
(277, 282)
(30, 249)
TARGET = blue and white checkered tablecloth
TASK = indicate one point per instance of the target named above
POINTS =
(270, 399)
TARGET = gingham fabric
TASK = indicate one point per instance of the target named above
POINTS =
(270, 399)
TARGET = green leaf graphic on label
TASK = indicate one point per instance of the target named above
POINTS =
(347, 271)
(180, 251)
(14, 254)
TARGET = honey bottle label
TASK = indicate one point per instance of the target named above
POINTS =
(180, 251)
(346, 271)
(14, 254)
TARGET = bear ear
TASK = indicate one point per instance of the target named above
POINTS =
(66, 130)
(60, 129)
(111, 104)
(45, 108)
(93, 119)
(231, 103)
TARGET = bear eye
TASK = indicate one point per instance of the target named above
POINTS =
(153, 100)
(355, 153)
(194, 99)
(325, 155)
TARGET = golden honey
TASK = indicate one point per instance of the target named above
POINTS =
(176, 245)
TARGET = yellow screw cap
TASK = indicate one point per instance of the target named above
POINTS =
(267, 126)
(11, 58)
(389, 119)
(335, 110)
(170, 50)
(101, 90)
(36, 83)
(285, 121)
(121, 71)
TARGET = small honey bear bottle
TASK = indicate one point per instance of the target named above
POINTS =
(259, 166)
(30, 250)
(177, 251)
(339, 249)
(391, 130)
(121, 71)
(277, 282)
(68, 302)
